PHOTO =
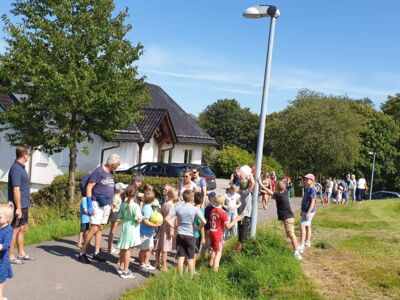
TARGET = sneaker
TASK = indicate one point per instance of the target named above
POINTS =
(301, 248)
(83, 259)
(16, 261)
(99, 258)
(150, 267)
(143, 267)
(120, 270)
(297, 256)
(128, 274)
(308, 244)
(25, 257)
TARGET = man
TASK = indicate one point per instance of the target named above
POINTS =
(201, 184)
(19, 195)
(99, 191)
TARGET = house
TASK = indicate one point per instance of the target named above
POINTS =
(166, 133)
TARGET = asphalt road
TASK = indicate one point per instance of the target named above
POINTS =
(56, 274)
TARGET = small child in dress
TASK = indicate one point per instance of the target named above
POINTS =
(86, 211)
(131, 216)
(166, 241)
(114, 216)
(232, 203)
(218, 222)
(6, 234)
(147, 229)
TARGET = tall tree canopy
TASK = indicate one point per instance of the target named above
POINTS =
(230, 124)
(392, 107)
(330, 135)
(75, 67)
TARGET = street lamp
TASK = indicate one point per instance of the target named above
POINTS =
(255, 12)
(372, 175)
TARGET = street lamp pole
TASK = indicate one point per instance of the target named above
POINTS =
(273, 12)
(372, 175)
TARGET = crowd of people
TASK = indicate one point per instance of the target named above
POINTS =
(193, 222)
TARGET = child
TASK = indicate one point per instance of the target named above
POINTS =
(6, 234)
(185, 241)
(232, 203)
(308, 208)
(207, 212)
(199, 234)
(86, 211)
(285, 213)
(131, 217)
(114, 218)
(146, 232)
(166, 234)
(219, 221)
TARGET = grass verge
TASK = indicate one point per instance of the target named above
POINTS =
(357, 251)
(265, 270)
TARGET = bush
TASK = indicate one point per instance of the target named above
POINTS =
(210, 157)
(231, 157)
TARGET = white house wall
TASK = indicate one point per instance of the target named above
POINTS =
(150, 151)
(129, 153)
(178, 154)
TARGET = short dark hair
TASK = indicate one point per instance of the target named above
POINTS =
(187, 195)
(21, 150)
(198, 199)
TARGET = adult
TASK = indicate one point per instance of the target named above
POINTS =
(100, 191)
(19, 195)
(187, 184)
(328, 190)
(201, 184)
(245, 191)
(273, 180)
(353, 187)
(361, 188)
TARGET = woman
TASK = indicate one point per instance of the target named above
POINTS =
(266, 181)
(361, 188)
(187, 184)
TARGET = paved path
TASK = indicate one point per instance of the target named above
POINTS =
(57, 275)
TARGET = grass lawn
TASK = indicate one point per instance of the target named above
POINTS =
(356, 253)
(266, 270)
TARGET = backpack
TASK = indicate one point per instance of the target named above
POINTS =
(84, 183)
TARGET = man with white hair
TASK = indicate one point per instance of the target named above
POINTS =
(99, 191)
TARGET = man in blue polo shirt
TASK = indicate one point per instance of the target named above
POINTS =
(19, 195)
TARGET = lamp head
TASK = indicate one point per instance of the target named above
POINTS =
(371, 153)
(261, 11)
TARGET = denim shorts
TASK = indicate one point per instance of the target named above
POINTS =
(305, 222)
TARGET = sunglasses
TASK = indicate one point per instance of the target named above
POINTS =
(194, 172)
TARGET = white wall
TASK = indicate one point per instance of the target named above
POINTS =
(178, 154)
(150, 151)
(129, 153)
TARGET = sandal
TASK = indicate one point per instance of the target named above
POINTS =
(16, 261)
(25, 257)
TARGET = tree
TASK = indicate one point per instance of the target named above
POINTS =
(392, 107)
(316, 133)
(73, 64)
(230, 124)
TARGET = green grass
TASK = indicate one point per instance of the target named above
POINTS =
(265, 270)
(362, 260)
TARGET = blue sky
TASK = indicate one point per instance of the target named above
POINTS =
(201, 51)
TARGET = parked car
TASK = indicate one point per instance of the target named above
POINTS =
(382, 195)
(170, 170)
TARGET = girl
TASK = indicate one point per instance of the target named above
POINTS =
(167, 235)
(266, 181)
(232, 203)
(131, 216)
(6, 233)
(114, 216)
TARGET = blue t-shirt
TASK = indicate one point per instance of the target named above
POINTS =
(309, 194)
(17, 176)
(104, 184)
(84, 217)
(145, 230)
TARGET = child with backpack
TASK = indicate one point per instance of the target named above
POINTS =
(131, 216)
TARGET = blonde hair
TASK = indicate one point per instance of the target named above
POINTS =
(219, 200)
(149, 197)
(147, 187)
(7, 211)
(233, 188)
(172, 193)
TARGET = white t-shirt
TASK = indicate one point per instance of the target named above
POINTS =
(232, 200)
(329, 186)
(361, 183)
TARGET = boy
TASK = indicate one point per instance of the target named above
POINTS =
(207, 212)
(186, 214)
(147, 232)
(199, 234)
(284, 211)
(218, 222)
(86, 211)
(308, 208)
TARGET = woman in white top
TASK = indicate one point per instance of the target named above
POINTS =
(187, 184)
(361, 188)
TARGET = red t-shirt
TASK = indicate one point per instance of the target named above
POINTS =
(218, 218)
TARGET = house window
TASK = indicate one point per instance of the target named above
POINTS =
(188, 156)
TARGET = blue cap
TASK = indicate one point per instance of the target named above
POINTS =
(212, 194)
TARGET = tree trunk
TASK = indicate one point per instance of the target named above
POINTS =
(71, 173)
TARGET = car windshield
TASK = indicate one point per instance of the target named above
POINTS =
(207, 171)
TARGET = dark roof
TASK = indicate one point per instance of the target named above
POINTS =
(152, 118)
(186, 128)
